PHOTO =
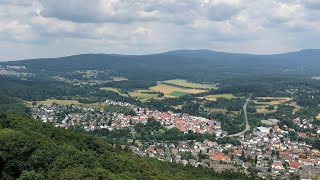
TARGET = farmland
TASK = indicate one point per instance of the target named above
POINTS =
(185, 83)
(170, 89)
(174, 91)
(263, 104)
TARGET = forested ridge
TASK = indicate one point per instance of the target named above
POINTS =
(30, 149)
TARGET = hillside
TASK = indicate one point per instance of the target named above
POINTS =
(33, 150)
(194, 65)
(10, 104)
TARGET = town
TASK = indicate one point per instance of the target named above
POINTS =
(267, 151)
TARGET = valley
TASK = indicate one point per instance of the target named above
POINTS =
(178, 116)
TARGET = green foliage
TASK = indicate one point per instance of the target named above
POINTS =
(33, 150)
(10, 104)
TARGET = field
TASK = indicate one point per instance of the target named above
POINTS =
(170, 89)
(185, 83)
(216, 96)
(113, 90)
(48, 102)
(264, 102)
(143, 94)
(174, 91)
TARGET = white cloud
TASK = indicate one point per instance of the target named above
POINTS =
(58, 27)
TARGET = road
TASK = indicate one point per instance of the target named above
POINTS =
(246, 119)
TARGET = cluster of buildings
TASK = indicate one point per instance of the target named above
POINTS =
(183, 122)
(14, 71)
(267, 151)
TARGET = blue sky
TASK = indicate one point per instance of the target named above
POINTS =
(52, 28)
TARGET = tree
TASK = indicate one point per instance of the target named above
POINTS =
(271, 107)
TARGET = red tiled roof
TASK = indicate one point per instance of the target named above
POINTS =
(283, 153)
(295, 165)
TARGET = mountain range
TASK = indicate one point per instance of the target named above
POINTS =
(199, 65)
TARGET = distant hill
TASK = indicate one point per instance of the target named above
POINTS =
(208, 54)
(30, 149)
(194, 65)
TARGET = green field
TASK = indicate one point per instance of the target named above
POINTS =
(143, 94)
(185, 83)
(178, 93)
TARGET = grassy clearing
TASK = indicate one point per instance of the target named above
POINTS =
(48, 102)
(185, 83)
(216, 96)
(113, 90)
(296, 107)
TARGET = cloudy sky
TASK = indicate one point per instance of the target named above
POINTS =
(51, 28)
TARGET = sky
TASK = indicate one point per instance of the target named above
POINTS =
(54, 28)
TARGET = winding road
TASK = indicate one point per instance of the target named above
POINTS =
(245, 117)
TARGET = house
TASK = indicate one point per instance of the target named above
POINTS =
(295, 165)
(277, 165)
(246, 165)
